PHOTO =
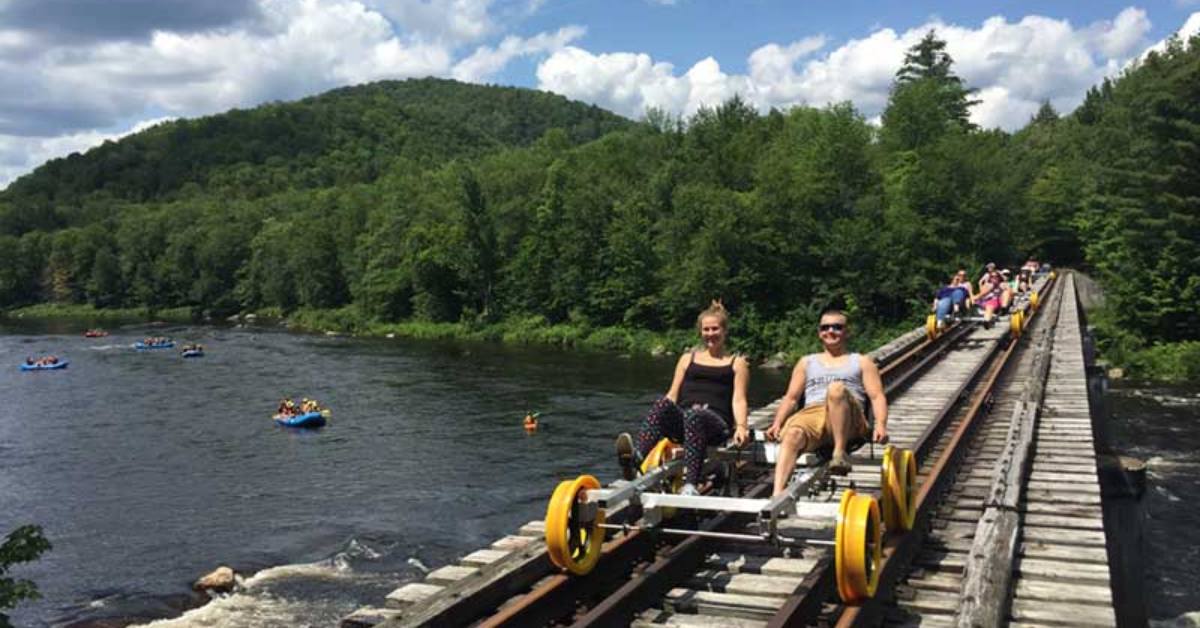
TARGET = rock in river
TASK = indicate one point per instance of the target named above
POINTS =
(220, 580)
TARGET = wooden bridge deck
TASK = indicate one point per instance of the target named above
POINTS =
(1061, 576)
(1059, 573)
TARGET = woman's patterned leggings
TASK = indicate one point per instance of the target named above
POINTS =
(696, 427)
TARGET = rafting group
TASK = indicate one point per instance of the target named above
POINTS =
(43, 363)
(192, 350)
(306, 413)
(154, 342)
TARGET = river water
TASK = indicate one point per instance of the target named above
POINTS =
(147, 470)
(1161, 426)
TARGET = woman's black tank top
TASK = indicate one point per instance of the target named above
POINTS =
(708, 385)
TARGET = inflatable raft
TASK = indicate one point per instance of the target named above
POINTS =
(308, 419)
(193, 353)
(95, 333)
(61, 364)
(141, 346)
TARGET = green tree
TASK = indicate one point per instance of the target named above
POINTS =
(928, 61)
(22, 545)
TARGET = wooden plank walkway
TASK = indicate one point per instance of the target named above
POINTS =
(1061, 575)
(1057, 559)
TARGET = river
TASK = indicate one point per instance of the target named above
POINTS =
(1161, 426)
(147, 470)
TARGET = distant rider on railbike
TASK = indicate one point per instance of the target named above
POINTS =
(952, 298)
(1025, 278)
(834, 385)
(994, 293)
(705, 404)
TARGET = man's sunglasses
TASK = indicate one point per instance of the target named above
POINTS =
(831, 327)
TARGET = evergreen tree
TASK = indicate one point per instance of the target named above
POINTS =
(927, 98)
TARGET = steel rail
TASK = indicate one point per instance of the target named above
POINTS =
(899, 550)
(806, 602)
(684, 557)
(558, 595)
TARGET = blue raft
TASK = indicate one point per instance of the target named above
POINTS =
(193, 353)
(61, 364)
(141, 346)
(308, 419)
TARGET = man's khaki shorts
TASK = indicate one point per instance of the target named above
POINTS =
(811, 421)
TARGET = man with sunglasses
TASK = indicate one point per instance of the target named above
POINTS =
(834, 385)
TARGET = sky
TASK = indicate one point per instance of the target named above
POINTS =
(74, 73)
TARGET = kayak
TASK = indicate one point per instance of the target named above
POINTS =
(193, 353)
(308, 419)
(95, 333)
(141, 346)
(61, 364)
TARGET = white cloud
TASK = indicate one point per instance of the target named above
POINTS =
(447, 21)
(621, 81)
(1189, 29)
(1015, 66)
(486, 61)
(1125, 34)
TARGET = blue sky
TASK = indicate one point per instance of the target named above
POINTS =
(690, 30)
(78, 72)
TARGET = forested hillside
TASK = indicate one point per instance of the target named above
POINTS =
(436, 201)
(345, 136)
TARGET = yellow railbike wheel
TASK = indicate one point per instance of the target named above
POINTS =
(891, 502)
(857, 547)
(572, 544)
(908, 464)
(1014, 323)
(1053, 275)
(1033, 300)
(931, 330)
(898, 506)
(839, 531)
(660, 455)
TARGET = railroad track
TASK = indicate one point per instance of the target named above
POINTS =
(1057, 567)
(719, 575)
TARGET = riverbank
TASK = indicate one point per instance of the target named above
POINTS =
(87, 312)
(774, 344)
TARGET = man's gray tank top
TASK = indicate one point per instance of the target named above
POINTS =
(818, 377)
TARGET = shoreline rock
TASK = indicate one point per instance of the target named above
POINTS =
(220, 580)
(777, 361)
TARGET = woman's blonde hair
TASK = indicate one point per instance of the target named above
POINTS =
(717, 310)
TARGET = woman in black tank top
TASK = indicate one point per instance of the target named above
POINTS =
(704, 406)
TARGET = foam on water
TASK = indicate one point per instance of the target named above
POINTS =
(308, 594)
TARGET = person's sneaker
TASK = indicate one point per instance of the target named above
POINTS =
(625, 456)
(839, 464)
(689, 490)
